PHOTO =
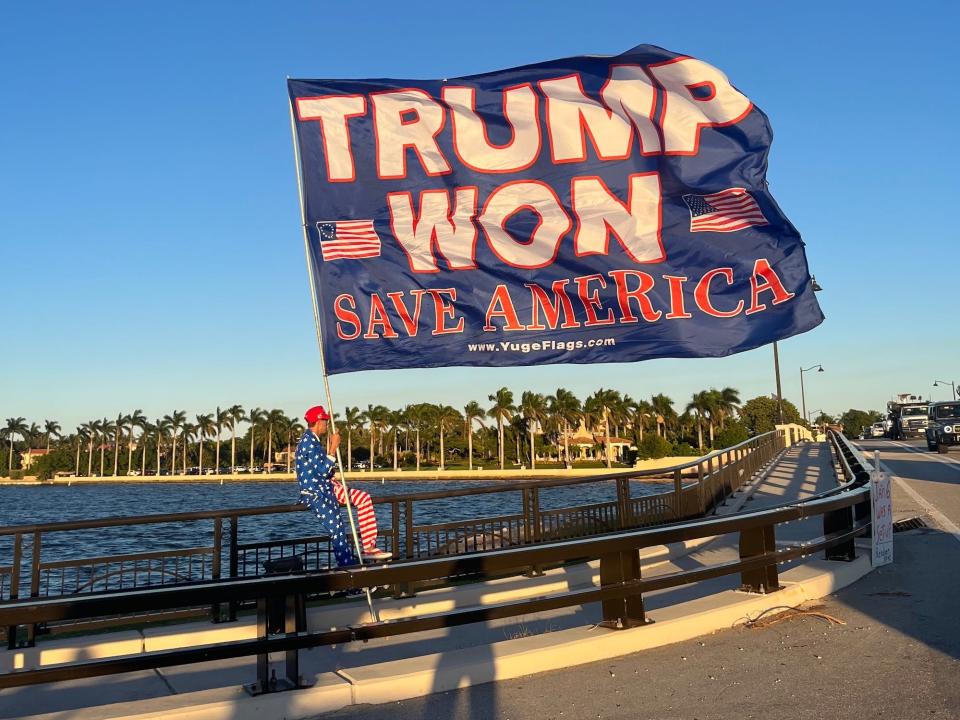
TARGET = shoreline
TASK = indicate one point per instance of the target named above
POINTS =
(367, 476)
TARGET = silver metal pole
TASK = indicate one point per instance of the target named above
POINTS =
(803, 397)
(323, 364)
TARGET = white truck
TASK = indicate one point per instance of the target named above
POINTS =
(908, 416)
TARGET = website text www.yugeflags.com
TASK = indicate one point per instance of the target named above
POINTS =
(540, 346)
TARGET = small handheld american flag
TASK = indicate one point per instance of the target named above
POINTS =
(348, 239)
(725, 211)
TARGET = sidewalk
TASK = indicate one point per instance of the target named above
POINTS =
(897, 656)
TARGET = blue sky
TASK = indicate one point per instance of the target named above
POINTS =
(149, 222)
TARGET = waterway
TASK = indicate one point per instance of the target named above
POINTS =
(54, 503)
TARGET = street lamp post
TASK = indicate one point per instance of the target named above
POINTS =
(776, 369)
(953, 386)
(776, 359)
(803, 397)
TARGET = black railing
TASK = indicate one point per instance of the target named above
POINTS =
(620, 591)
(698, 486)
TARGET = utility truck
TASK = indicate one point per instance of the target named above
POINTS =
(908, 416)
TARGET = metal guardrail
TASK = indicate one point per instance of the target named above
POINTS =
(620, 592)
(224, 556)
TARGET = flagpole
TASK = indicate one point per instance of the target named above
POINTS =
(323, 362)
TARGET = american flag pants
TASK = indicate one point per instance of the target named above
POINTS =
(365, 515)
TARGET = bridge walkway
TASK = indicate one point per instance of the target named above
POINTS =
(801, 471)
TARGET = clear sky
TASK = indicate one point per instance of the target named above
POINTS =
(149, 224)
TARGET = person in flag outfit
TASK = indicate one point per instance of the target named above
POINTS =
(316, 468)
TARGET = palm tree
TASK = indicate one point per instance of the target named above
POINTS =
(174, 423)
(600, 403)
(352, 419)
(81, 436)
(395, 420)
(275, 419)
(162, 427)
(375, 416)
(15, 426)
(291, 428)
(641, 411)
(136, 419)
(118, 427)
(205, 428)
(146, 429)
(663, 407)
(417, 415)
(90, 431)
(699, 404)
(188, 431)
(219, 420)
(533, 406)
(256, 417)
(472, 412)
(566, 410)
(106, 430)
(728, 403)
(51, 428)
(445, 417)
(502, 409)
(234, 415)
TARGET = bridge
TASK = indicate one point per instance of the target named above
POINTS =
(747, 531)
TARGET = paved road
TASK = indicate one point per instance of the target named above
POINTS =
(931, 479)
(896, 656)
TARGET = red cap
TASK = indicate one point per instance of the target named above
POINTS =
(315, 413)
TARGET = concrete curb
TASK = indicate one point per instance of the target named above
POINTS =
(413, 677)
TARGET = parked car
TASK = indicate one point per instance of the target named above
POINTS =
(877, 430)
(361, 465)
(943, 426)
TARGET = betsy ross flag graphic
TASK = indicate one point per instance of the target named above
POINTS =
(348, 239)
(724, 211)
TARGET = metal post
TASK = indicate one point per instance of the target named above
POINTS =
(323, 360)
(677, 495)
(759, 541)
(776, 370)
(234, 562)
(622, 612)
(15, 585)
(803, 396)
(215, 564)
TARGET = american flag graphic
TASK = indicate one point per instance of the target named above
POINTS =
(348, 239)
(725, 211)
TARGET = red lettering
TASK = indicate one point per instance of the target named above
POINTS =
(551, 312)
(591, 300)
(625, 295)
(772, 283)
(501, 306)
(702, 294)
(346, 316)
(677, 309)
(443, 309)
(411, 324)
(378, 317)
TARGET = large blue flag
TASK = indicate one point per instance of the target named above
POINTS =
(582, 210)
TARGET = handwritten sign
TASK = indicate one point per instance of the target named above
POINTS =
(882, 503)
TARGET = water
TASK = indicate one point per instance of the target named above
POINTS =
(54, 503)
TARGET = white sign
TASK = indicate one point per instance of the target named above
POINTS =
(882, 503)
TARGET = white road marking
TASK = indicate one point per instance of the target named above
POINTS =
(929, 453)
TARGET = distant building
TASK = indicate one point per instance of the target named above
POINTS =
(28, 457)
(589, 443)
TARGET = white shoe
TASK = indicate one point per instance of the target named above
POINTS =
(376, 555)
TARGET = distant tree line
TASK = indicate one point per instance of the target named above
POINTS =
(505, 430)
